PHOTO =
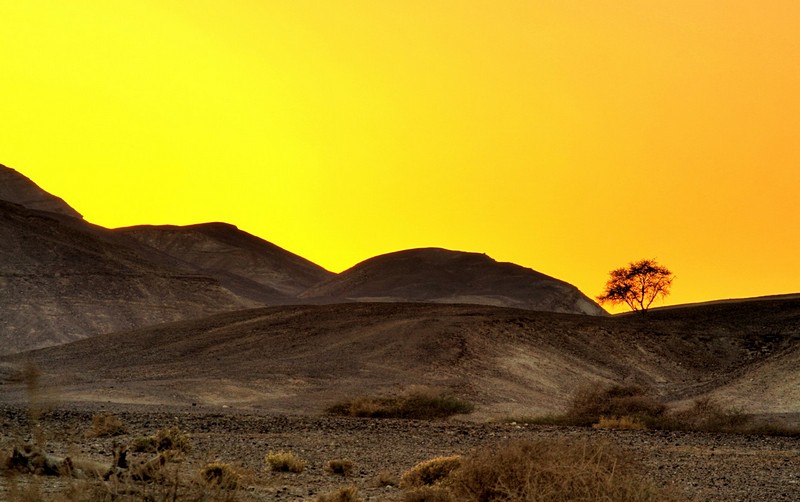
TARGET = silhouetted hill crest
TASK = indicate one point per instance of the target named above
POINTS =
(17, 188)
(439, 275)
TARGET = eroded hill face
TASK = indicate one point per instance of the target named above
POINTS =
(16, 188)
(510, 362)
(442, 276)
(245, 264)
(62, 279)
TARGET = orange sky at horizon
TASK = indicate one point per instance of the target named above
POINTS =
(570, 137)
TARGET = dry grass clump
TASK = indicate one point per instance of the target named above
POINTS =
(707, 415)
(620, 423)
(105, 425)
(629, 407)
(589, 405)
(430, 472)
(284, 461)
(172, 439)
(220, 475)
(420, 404)
(143, 444)
(428, 494)
(539, 470)
(340, 466)
(344, 494)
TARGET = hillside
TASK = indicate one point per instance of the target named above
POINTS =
(436, 275)
(64, 279)
(17, 188)
(509, 361)
(245, 264)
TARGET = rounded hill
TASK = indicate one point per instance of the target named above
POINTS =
(435, 275)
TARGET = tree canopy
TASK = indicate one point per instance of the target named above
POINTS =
(637, 285)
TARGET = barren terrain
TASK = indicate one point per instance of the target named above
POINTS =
(300, 359)
(693, 466)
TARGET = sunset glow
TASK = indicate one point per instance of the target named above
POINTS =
(567, 136)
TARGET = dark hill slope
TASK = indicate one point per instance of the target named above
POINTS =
(14, 187)
(509, 361)
(441, 276)
(62, 279)
(245, 264)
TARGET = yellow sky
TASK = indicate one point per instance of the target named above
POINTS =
(567, 136)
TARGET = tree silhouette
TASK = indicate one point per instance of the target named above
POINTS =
(637, 285)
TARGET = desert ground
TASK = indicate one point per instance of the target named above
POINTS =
(690, 466)
(246, 383)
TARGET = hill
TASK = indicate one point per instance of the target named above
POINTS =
(508, 361)
(435, 275)
(17, 188)
(245, 264)
(64, 279)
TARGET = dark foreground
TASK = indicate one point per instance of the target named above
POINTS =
(695, 466)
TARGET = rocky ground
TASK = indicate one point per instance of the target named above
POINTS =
(694, 466)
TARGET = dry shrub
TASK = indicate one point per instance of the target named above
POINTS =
(420, 404)
(284, 461)
(707, 415)
(344, 494)
(218, 474)
(105, 425)
(340, 466)
(589, 405)
(172, 439)
(428, 494)
(144, 444)
(621, 423)
(539, 470)
(430, 472)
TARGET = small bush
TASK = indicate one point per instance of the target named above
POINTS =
(283, 461)
(105, 425)
(344, 494)
(144, 444)
(622, 423)
(172, 439)
(220, 475)
(706, 415)
(531, 471)
(589, 405)
(430, 472)
(428, 494)
(339, 466)
(417, 404)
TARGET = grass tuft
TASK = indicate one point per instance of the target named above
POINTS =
(340, 466)
(430, 472)
(218, 474)
(283, 461)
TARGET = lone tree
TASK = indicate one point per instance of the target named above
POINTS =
(637, 285)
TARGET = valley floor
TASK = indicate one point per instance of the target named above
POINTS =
(694, 466)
